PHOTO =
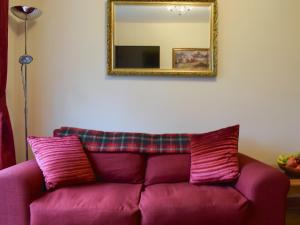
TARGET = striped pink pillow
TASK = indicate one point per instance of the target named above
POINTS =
(62, 160)
(214, 156)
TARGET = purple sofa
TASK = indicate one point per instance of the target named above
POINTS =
(144, 189)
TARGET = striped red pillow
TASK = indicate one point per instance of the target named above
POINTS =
(62, 160)
(214, 156)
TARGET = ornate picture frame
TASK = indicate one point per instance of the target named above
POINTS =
(191, 58)
(114, 6)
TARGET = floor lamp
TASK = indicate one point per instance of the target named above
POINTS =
(25, 13)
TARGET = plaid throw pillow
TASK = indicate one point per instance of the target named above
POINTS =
(100, 141)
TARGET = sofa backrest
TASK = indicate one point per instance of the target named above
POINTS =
(118, 167)
(124, 157)
(141, 168)
(167, 168)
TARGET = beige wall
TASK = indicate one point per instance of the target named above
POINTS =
(257, 85)
(165, 35)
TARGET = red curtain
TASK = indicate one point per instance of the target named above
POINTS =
(7, 148)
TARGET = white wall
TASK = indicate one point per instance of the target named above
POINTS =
(165, 35)
(257, 85)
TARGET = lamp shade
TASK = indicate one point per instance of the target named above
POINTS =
(26, 12)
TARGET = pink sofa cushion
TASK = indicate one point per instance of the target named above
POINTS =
(118, 167)
(168, 168)
(187, 204)
(101, 204)
(214, 156)
(62, 161)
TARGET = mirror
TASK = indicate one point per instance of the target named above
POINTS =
(169, 37)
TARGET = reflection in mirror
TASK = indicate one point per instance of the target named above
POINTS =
(161, 37)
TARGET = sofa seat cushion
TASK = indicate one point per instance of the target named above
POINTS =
(188, 204)
(100, 203)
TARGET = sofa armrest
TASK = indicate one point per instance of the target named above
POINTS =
(267, 190)
(19, 186)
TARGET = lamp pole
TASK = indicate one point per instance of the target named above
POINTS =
(26, 97)
(25, 13)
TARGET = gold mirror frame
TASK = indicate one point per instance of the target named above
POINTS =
(212, 72)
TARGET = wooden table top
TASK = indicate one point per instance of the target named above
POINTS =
(294, 191)
(295, 182)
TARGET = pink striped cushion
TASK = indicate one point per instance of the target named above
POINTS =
(214, 156)
(62, 160)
